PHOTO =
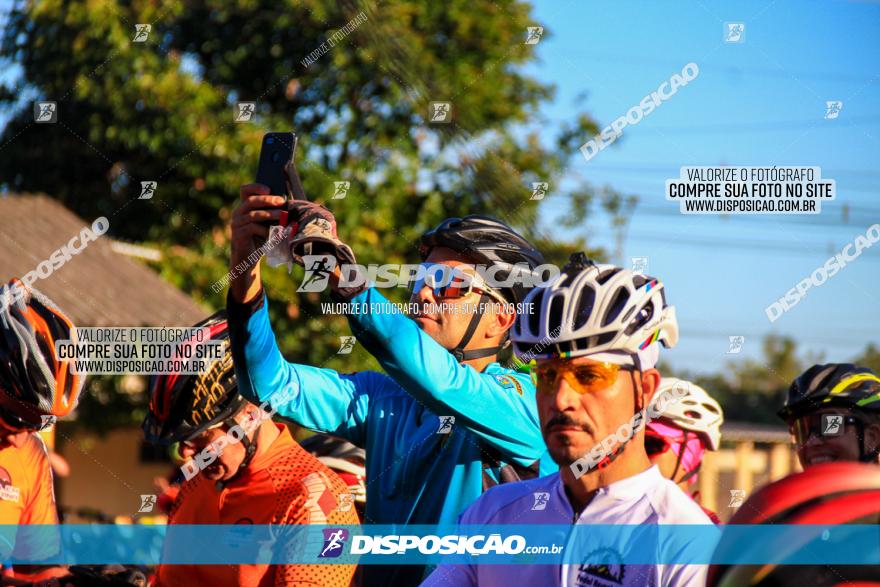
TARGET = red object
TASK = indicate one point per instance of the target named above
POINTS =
(817, 482)
(830, 493)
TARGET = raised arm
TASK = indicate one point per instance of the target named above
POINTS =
(319, 399)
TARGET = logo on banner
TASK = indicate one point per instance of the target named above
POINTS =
(334, 542)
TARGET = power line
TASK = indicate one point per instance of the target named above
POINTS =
(705, 67)
(751, 127)
(676, 240)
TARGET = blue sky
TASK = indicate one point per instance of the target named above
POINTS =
(761, 103)
(757, 103)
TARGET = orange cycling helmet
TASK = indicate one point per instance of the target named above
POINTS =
(35, 387)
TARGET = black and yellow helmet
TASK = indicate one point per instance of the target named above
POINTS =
(182, 406)
(832, 385)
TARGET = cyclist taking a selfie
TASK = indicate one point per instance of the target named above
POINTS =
(445, 420)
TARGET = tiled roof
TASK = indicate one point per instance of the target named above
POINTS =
(97, 287)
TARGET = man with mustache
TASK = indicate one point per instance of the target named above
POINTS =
(595, 334)
(446, 420)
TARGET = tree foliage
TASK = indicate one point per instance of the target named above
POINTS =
(162, 110)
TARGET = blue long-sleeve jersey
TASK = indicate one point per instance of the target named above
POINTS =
(419, 471)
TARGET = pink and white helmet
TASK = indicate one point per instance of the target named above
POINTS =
(696, 411)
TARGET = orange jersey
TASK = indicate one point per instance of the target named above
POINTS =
(27, 496)
(285, 485)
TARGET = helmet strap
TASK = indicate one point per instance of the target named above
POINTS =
(250, 448)
(462, 355)
(691, 474)
(680, 457)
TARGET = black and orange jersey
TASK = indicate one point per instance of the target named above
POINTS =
(284, 485)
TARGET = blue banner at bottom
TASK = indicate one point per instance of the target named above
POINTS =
(402, 545)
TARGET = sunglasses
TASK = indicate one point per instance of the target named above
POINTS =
(449, 283)
(821, 425)
(581, 378)
(16, 422)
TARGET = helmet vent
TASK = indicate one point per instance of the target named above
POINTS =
(621, 296)
(642, 318)
(584, 307)
(534, 317)
(556, 306)
(604, 277)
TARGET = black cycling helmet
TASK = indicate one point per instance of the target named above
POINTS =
(489, 242)
(183, 406)
(832, 385)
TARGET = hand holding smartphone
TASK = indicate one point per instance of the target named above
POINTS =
(277, 169)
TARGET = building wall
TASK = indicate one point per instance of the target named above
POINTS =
(742, 465)
(106, 473)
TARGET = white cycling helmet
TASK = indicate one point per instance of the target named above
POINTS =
(696, 411)
(593, 309)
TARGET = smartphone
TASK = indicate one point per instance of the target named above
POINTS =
(276, 159)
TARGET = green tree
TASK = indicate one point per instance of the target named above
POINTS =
(163, 110)
(869, 358)
(753, 390)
